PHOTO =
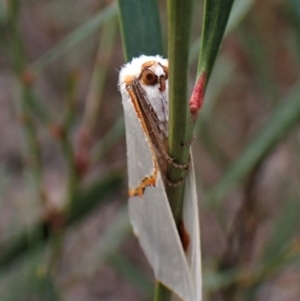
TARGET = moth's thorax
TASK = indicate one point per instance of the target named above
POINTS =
(159, 102)
(156, 94)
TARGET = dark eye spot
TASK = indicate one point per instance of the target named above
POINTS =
(150, 77)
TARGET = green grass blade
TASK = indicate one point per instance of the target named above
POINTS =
(240, 10)
(285, 117)
(140, 28)
(216, 14)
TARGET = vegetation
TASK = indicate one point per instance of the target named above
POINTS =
(65, 234)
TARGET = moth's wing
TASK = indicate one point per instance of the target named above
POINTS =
(153, 224)
(151, 216)
(191, 223)
(139, 155)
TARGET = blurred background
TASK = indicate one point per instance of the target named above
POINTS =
(64, 229)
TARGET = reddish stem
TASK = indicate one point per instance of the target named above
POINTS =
(197, 97)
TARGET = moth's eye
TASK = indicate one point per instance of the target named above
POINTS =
(148, 77)
(166, 70)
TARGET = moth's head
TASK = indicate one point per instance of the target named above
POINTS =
(153, 73)
(149, 70)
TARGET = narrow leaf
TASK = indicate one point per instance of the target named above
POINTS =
(216, 14)
(140, 28)
(240, 9)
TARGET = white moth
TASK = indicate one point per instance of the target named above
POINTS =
(144, 87)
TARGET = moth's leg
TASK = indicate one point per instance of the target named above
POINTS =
(179, 166)
(174, 184)
(170, 160)
(189, 142)
(162, 162)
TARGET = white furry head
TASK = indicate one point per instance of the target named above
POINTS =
(156, 92)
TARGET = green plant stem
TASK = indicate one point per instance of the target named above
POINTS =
(73, 178)
(161, 293)
(179, 27)
(179, 24)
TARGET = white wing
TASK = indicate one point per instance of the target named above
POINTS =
(152, 219)
(139, 156)
(191, 221)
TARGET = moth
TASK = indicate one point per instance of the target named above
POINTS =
(143, 84)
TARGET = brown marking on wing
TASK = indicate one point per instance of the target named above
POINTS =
(184, 236)
(151, 179)
(147, 181)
